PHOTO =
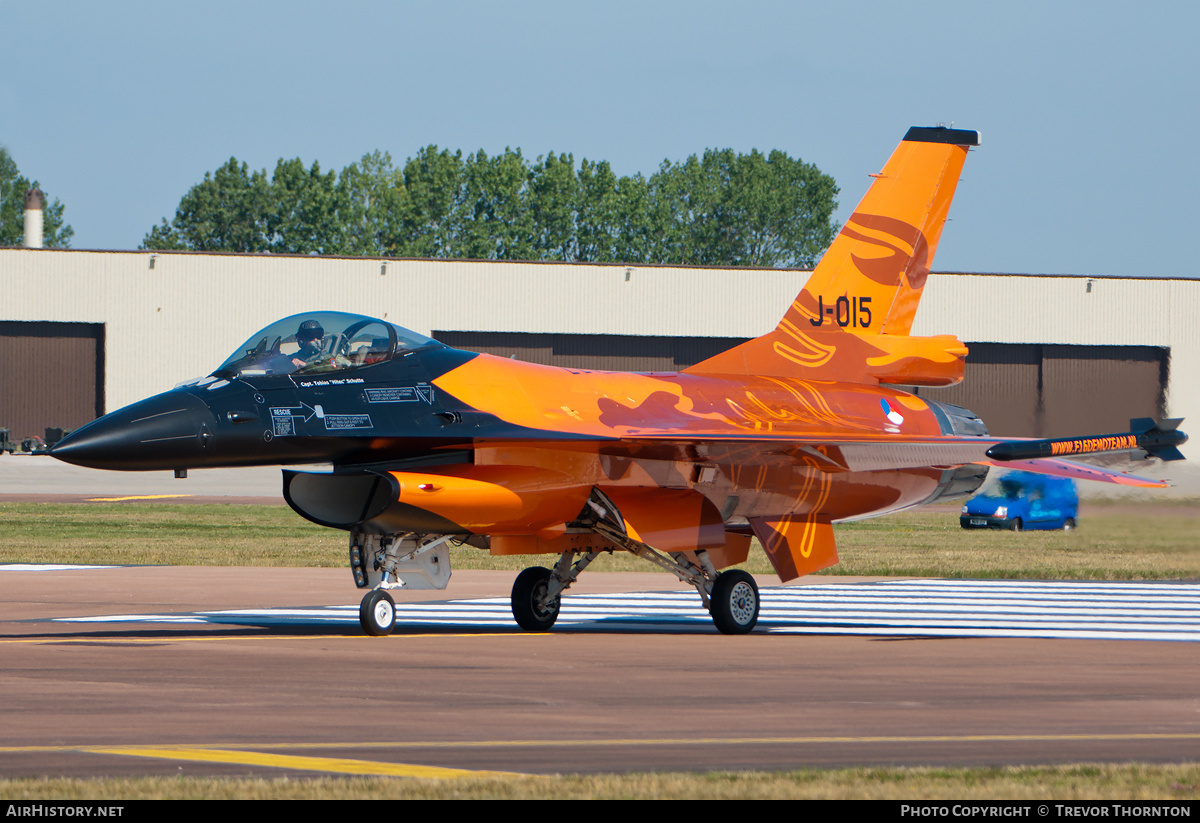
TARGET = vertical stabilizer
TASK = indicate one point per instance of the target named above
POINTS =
(868, 284)
(884, 252)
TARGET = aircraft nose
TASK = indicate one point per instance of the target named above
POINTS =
(168, 431)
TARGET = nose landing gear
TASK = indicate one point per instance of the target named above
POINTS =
(377, 613)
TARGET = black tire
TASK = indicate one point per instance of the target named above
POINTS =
(377, 613)
(529, 588)
(1069, 524)
(734, 602)
(1015, 525)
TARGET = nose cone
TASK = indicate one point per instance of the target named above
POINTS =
(170, 431)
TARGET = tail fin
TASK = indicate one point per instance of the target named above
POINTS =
(851, 321)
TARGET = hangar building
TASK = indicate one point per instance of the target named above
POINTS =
(85, 332)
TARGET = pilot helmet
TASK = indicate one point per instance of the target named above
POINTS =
(310, 330)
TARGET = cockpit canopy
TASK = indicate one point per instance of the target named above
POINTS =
(322, 341)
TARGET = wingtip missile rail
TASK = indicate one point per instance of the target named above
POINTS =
(1161, 440)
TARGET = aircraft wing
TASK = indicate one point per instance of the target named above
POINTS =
(868, 457)
(892, 452)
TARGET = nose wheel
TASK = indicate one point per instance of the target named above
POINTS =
(377, 613)
(734, 606)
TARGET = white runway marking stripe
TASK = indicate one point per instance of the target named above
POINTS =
(943, 608)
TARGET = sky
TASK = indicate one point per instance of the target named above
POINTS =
(1088, 110)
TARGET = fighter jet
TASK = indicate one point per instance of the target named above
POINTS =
(778, 438)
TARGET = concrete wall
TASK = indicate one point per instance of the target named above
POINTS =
(172, 316)
(1086, 311)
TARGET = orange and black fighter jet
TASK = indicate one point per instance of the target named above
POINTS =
(777, 438)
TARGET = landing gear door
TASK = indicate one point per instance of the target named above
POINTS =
(395, 561)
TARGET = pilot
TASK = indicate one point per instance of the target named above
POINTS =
(309, 337)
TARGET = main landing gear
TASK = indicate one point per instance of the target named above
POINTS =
(416, 561)
(533, 608)
(734, 602)
(731, 597)
(537, 592)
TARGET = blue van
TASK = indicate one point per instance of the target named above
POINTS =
(1022, 500)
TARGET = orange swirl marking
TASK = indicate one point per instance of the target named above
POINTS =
(815, 353)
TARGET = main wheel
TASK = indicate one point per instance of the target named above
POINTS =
(529, 608)
(377, 614)
(1069, 524)
(734, 602)
(1016, 525)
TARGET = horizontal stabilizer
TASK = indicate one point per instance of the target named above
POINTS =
(1077, 471)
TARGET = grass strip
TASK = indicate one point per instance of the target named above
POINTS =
(1147, 542)
(1144, 782)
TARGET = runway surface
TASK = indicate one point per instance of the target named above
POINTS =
(899, 608)
(154, 670)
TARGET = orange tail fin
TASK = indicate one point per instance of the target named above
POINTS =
(851, 321)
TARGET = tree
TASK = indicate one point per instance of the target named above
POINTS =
(554, 204)
(720, 208)
(306, 211)
(742, 210)
(492, 219)
(427, 207)
(226, 211)
(373, 201)
(597, 212)
(13, 185)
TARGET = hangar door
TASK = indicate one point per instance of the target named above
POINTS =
(51, 374)
(609, 352)
(1028, 390)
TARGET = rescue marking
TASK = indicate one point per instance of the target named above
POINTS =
(283, 418)
(347, 421)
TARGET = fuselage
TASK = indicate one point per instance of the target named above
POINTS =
(536, 433)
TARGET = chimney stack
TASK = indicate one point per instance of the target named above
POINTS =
(34, 202)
